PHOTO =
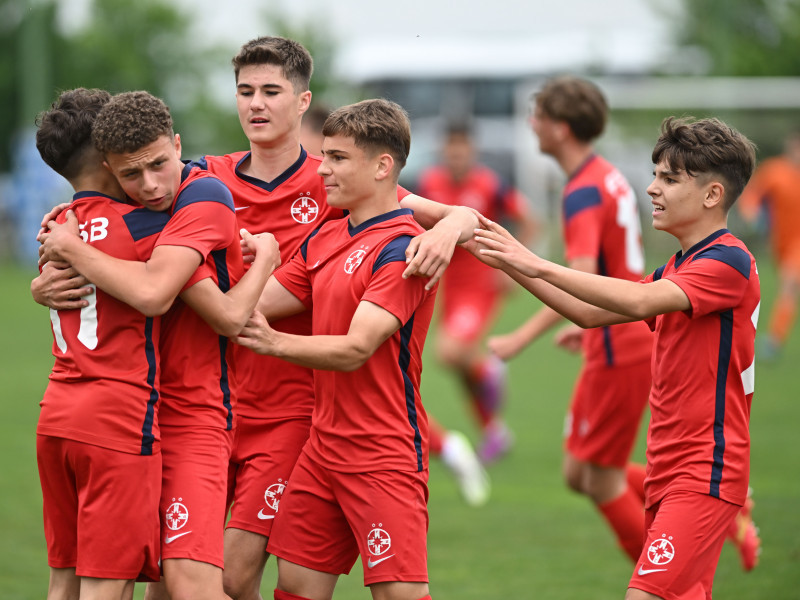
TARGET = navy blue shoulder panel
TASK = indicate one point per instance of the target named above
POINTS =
(579, 200)
(304, 247)
(201, 163)
(204, 189)
(143, 222)
(732, 256)
(394, 251)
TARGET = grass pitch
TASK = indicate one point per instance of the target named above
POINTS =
(533, 540)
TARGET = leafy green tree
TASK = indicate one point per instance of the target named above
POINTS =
(743, 37)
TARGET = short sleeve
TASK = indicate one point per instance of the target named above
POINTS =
(582, 223)
(294, 277)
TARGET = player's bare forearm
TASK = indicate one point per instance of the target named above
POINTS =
(509, 345)
(60, 287)
(228, 313)
(149, 287)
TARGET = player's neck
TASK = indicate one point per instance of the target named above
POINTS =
(100, 181)
(378, 204)
(269, 162)
(573, 156)
(697, 232)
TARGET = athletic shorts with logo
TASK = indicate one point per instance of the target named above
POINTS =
(607, 406)
(100, 509)
(192, 508)
(327, 518)
(685, 534)
(263, 456)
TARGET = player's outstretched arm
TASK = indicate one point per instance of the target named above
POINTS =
(60, 287)
(429, 253)
(586, 299)
(149, 287)
(226, 313)
(370, 327)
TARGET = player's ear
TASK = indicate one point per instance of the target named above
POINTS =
(385, 166)
(178, 145)
(714, 194)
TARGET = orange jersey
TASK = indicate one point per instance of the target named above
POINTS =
(775, 186)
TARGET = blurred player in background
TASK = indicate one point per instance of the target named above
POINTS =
(703, 306)
(360, 483)
(472, 293)
(775, 191)
(602, 234)
(311, 128)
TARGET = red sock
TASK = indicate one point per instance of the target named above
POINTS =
(436, 435)
(625, 514)
(635, 474)
(281, 595)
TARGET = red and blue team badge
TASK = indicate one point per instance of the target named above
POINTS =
(305, 209)
(176, 517)
(272, 496)
(354, 260)
(378, 542)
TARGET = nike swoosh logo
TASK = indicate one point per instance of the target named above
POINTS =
(371, 563)
(169, 540)
(643, 571)
(263, 517)
(238, 208)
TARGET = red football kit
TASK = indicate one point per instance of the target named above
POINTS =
(99, 413)
(601, 221)
(198, 383)
(703, 364)
(470, 291)
(276, 399)
(369, 425)
(698, 448)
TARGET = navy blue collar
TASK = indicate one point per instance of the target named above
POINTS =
(680, 258)
(377, 219)
(270, 186)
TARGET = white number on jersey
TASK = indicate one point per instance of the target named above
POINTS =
(87, 335)
(628, 219)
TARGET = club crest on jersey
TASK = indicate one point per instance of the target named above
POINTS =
(354, 260)
(305, 209)
(378, 540)
(661, 551)
(176, 515)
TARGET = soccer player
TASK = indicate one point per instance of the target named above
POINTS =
(472, 293)
(775, 189)
(602, 234)
(360, 484)
(703, 306)
(198, 249)
(276, 187)
(99, 461)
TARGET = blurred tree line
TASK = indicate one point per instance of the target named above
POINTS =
(130, 45)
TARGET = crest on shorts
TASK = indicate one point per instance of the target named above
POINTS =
(661, 551)
(354, 260)
(305, 209)
(176, 515)
(378, 540)
(274, 493)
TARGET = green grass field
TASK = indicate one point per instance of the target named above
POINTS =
(533, 540)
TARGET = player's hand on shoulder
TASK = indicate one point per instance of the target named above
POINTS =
(495, 242)
(429, 254)
(51, 216)
(56, 236)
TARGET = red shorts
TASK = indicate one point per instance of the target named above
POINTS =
(100, 509)
(192, 504)
(685, 534)
(468, 314)
(607, 406)
(328, 518)
(264, 453)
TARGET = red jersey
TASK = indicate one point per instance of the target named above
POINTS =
(198, 385)
(104, 384)
(601, 221)
(290, 207)
(703, 365)
(482, 190)
(370, 419)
